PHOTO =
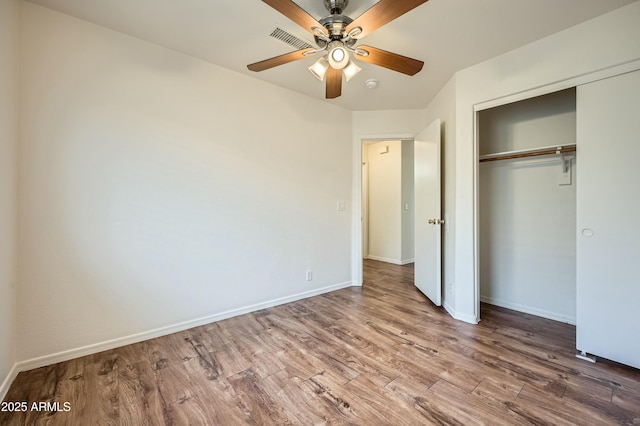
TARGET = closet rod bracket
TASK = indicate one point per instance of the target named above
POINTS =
(566, 161)
(564, 177)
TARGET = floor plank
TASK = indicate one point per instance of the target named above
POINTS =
(380, 354)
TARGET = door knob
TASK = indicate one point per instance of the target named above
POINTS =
(436, 221)
(432, 221)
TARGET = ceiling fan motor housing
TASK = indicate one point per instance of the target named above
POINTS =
(336, 25)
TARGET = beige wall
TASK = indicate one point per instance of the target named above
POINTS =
(159, 191)
(8, 187)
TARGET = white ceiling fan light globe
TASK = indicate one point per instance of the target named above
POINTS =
(351, 70)
(319, 68)
(338, 55)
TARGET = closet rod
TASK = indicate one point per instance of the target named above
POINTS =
(529, 153)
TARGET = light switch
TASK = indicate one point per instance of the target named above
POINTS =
(341, 206)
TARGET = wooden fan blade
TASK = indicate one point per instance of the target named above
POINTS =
(382, 13)
(390, 60)
(279, 60)
(334, 83)
(298, 15)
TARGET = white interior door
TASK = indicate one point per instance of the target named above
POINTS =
(428, 222)
(608, 208)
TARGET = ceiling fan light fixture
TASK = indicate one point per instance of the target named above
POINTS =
(319, 68)
(338, 55)
(351, 70)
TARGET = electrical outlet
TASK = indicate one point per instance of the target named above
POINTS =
(309, 275)
(450, 289)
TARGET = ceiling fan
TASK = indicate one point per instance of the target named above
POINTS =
(336, 35)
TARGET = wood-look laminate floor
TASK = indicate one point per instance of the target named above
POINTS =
(377, 355)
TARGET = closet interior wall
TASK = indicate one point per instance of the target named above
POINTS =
(527, 207)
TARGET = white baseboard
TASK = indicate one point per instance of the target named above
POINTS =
(163, 331)
(6, 384)
(393, 261)
(529, 310)
(449, 309)
(460, 317)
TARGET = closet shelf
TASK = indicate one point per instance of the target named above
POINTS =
(549, 150)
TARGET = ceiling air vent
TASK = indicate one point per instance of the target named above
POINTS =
(290, 39)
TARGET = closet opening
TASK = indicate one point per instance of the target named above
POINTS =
(527, 205)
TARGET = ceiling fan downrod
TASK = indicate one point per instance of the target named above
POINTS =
(335, 7)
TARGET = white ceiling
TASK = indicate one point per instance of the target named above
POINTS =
(448, 35)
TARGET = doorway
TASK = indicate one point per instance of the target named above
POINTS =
(421, 205)
(387, 201)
